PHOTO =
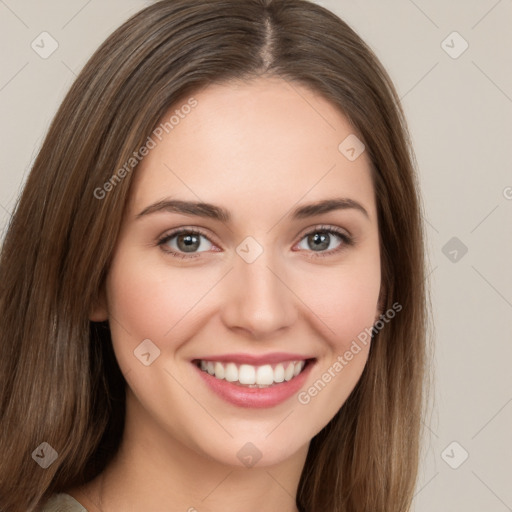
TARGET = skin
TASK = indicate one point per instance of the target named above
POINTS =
(258, 149)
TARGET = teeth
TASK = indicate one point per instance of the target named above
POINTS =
(253, 376)
(264, 375)
(289, 371)
(219, 370)
(231, 372)
(279, 373)
(247, 374)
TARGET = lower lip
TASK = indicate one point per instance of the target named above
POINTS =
(256, 397)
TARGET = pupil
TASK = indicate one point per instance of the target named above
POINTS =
(191, 242)
(322, 238)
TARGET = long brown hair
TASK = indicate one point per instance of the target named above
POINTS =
(60, 382)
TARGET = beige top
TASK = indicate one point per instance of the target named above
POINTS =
(62, 502)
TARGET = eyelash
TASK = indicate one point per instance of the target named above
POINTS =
(346, 241)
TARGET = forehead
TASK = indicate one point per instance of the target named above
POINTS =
(253, 145)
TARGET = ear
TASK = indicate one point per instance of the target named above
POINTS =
(99, 310)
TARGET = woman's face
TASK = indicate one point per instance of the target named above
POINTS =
(267, 286)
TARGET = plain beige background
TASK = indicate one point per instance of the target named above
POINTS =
(458, 102)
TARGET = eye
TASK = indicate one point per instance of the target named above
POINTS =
(321, 239)
(189, 242)
(185, 243)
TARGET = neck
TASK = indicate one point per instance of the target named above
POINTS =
(154, 470)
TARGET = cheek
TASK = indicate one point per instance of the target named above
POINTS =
(138, 301)
(345, 298)
(148, 301)
(346, 307)
(352, 305)
(153, 301)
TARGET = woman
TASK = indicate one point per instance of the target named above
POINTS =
(213, 283)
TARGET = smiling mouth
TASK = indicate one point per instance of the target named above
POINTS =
(252, 376)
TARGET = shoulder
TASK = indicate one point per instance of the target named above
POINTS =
(62, 503)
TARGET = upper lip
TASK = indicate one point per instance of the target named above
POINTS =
(255, 360)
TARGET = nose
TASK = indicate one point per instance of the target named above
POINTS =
(258, 299)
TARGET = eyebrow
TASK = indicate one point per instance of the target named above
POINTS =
(215, 212)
